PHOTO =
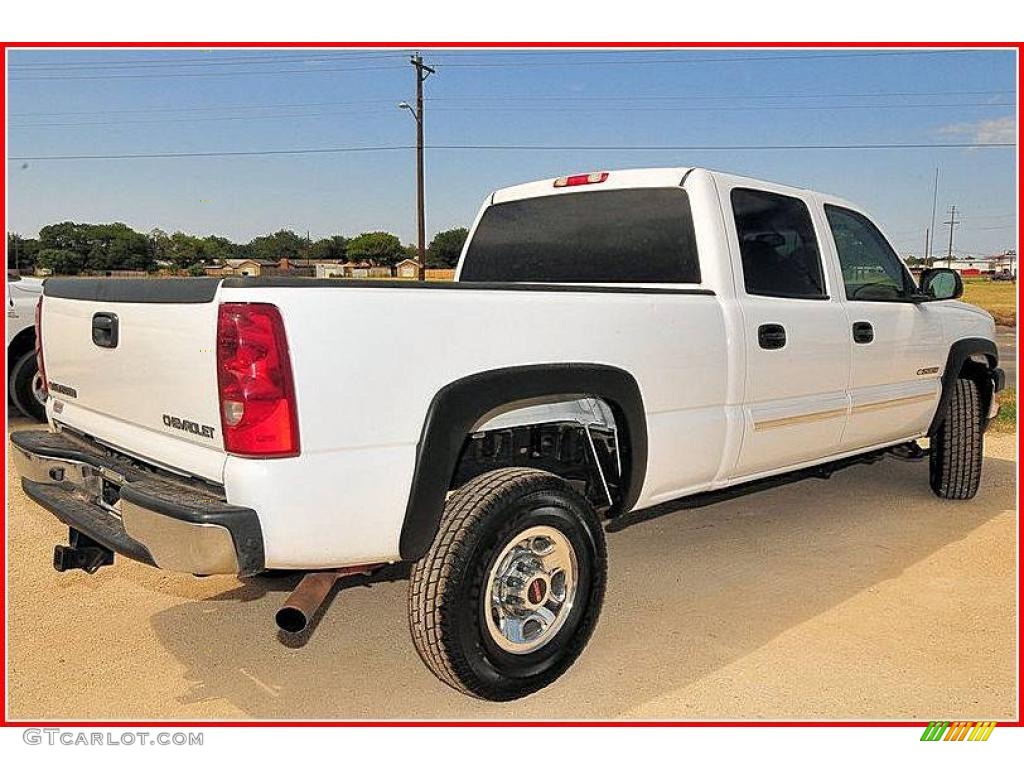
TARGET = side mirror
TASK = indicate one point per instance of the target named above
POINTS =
(941, 283)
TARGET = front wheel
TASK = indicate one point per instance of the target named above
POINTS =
(511, 589)
(954, 466)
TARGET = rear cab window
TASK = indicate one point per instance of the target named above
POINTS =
(641, 235)
(778, 247)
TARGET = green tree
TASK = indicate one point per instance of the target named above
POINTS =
(280, 245)
(99, 247)
(66, 236)
(60, 262)
(444, 250)
(21, 251)
(218, 248)
(185, 250)
(378, 248)
(159, 245)
(332, 247)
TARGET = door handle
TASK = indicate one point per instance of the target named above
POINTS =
(104, 329)
(771, 336)
(863, 332)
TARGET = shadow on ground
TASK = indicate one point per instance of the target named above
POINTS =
(689, 593)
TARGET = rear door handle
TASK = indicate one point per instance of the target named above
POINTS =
(771, 336)
(863, 332)
(104, 329)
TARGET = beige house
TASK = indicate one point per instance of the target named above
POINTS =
(408, 269)
(239, 268)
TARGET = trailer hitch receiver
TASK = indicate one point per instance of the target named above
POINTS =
(83, 553)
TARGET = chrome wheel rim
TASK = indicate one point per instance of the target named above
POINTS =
(531, 589)
(37, 388)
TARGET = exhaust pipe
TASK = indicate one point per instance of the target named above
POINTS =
(303, 603)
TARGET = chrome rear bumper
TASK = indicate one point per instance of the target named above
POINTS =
(140, 513)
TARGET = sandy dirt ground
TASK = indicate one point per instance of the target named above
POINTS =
(863, 597)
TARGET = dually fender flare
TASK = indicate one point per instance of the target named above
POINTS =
(960, 352)
(460, 405)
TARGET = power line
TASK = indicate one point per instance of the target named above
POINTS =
(520, 147)
(226, 108)
(490, 63)
(712, 59)
(524, 110)
(164, 121)
(687, 97)
(707, 108)
(321, 70)
(327, 54)
(721, 97)
(204, 61)
(292, 54)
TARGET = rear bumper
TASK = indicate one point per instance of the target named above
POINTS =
(141, 513)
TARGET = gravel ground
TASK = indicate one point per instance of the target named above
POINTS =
(863, 597)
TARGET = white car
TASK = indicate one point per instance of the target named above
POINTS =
(24, 384)
(613, 342)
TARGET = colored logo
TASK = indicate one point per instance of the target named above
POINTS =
(960, 731)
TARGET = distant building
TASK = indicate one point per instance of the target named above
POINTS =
(971, 266)
(240, 268)
(355, 269)
(408, 269)
(329, 269)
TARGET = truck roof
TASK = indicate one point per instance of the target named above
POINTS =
(619, 179)
(626, 178)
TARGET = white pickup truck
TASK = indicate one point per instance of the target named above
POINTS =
(613, 342)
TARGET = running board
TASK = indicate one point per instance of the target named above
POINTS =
(707, 498)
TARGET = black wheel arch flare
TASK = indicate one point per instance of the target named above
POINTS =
(458, 406)
(960, 357)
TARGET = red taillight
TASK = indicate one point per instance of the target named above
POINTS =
(581, 178)
(39, 343)
(254, 378)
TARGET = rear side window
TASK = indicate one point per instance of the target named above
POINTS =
(608, 236)
(777, 245)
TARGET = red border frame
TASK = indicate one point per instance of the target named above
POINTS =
(4, 722)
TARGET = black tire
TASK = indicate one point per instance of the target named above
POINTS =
(447, 589)
(21, 387)
(954, 464)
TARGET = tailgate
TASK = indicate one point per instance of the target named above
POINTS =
(152, 390)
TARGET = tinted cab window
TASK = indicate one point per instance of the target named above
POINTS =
(871, 269)
(609, 236)
(778, 246)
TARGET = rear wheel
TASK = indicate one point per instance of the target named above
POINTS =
(510, 591)
(956, 447)
(26, 387)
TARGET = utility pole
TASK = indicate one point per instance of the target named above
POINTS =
(935, 199)
(924, 259)
(952, 223)
(422, 73)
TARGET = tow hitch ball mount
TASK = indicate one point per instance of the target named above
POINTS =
(83, 553)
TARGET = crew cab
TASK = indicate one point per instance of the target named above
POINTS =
(613, 342)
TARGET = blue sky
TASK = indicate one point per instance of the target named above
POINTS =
(109, 102)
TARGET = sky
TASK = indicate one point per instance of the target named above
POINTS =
(642, 108)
